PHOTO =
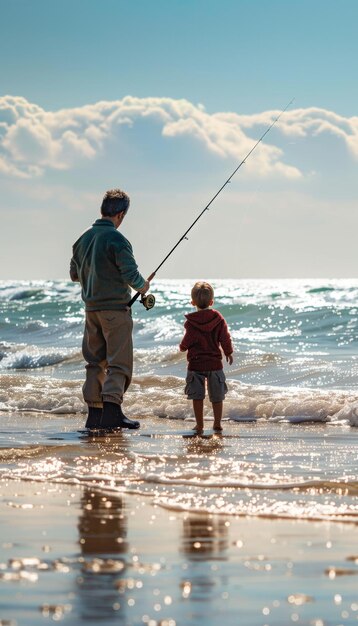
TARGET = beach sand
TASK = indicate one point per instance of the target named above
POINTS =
(74, 554)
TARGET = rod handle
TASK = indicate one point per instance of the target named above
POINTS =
(136, 295)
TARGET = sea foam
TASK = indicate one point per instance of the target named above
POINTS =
(164, 397)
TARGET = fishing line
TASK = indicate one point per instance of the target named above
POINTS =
(148, 300)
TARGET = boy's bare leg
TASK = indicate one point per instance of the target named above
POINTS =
(198, 407)
(218, 413)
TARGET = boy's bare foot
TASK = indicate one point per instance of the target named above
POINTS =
(217, 429)
(198, 430)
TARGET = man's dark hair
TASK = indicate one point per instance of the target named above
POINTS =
(114, 201)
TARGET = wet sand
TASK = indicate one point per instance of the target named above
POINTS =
(72, 555)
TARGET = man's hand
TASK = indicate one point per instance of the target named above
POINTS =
(146, 284)
(145, 288)
(229, 359)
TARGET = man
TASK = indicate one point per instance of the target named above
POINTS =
(104, 264)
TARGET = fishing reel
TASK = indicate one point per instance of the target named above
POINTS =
(148, 301)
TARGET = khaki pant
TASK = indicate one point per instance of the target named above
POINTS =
(108, 349)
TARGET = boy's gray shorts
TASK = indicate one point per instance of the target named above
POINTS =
(195, 385)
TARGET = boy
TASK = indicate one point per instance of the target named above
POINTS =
(205, 331)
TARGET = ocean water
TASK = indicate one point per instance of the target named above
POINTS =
(296, 349)
(293, 382)
(287, 461)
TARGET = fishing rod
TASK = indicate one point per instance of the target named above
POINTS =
(148, 300)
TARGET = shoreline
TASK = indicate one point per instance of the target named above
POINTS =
(86, 533)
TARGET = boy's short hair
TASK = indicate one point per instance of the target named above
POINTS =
(201, 294)
(114, 201)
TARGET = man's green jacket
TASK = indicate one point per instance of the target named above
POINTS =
(104, 264)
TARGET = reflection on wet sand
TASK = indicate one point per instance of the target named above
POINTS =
(205, 537)
(203, 446)
(103, 530)
(102, 525)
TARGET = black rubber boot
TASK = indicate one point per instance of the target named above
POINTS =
(113, 417)
(94, 417)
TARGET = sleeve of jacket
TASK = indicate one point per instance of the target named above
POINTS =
(187, 339)
(74, 271)
(225, 339)
(125, 262)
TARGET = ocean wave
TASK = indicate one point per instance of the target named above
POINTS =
(26, 294)
(162, 355)
(163, 396)
(34, 325)
(285, 333)
(175, 293)
(37, 290)
(267, 510)
(240, 499)
(51, 468)
(40, 394)
(34, 358)
(206, 481)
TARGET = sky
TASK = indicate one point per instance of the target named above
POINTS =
(164, 99)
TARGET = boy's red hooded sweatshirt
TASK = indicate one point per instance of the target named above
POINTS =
(205, 332)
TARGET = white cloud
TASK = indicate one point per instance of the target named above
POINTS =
(29, 140)
(314, 121)
(33, 140)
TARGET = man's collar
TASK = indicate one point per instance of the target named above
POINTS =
(102, 221)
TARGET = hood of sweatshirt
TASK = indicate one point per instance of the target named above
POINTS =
(205, 320)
